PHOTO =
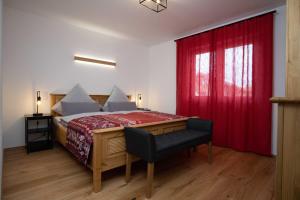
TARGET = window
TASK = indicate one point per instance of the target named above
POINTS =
(238, 65)
(238, 69)
(202, 74)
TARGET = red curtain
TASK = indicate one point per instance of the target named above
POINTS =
(226, 75)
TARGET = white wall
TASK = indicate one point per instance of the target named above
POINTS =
(38, 55)
(162, 72)
(279, 67)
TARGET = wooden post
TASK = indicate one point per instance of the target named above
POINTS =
(97, 162)
(150, 174)
(210, 152)
(128, 167)
(279, 159)
(293, 45)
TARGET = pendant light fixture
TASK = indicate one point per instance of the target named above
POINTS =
(155, 5)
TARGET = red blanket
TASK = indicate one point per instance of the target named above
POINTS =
(80, 130)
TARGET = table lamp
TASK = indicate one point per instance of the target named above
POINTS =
(38, 102)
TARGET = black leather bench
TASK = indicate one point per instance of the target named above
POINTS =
(152, 148)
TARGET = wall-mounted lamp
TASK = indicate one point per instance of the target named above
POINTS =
(139, 100)
(38, 102)
(95, 61)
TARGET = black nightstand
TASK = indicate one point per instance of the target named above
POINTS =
(38, 132)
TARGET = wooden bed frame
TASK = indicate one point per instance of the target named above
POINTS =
(108, 150)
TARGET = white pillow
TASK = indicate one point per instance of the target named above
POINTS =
(77, 94)
(116, 95)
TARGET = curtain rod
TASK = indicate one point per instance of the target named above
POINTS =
(229, 23)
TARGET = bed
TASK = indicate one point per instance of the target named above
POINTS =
(108, 148)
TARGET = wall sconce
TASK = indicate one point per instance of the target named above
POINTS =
(38, 102)
(139, 100)
(95, 61)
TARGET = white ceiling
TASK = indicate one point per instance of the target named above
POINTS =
(129, 20)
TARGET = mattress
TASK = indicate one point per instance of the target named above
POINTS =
(64, 120)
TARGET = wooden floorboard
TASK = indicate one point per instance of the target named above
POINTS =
(55, 175)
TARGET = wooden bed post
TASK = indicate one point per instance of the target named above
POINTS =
(97, 162)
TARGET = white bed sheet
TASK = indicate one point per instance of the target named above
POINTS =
(65, 119)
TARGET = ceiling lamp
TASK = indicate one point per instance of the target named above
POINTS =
(155, 5)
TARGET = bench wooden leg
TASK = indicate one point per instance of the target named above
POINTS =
(128, 167)
(150, 174)
(210, 152)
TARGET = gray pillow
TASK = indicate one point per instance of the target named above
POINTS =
(116, 95)
(121, 106)
(72, 108)
(77, 94)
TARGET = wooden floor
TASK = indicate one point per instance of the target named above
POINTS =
(55, 175)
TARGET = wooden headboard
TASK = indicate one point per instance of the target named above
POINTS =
(99, 98)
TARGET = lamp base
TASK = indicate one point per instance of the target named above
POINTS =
(37, 114)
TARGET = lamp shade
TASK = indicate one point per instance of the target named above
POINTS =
(139, 100)
(38, 102)
(38, 97)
